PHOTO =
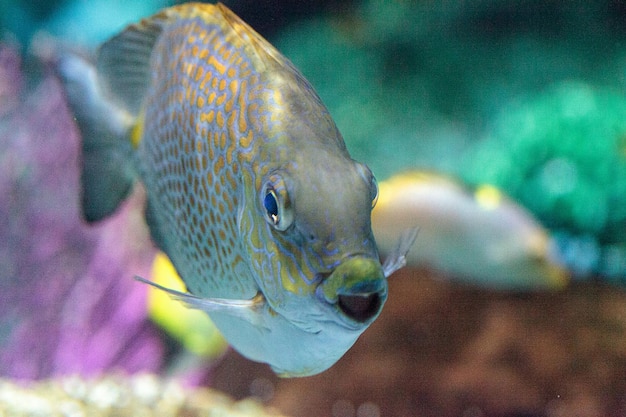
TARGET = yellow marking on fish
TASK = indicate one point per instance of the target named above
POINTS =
(207, 77)
(219, 165)
(221, 68)
(220, 119)
(243, 125)
(199, 73)
(137, 131)
(488, 196)
(410, 180)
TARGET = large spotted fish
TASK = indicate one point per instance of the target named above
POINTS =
(250, 189)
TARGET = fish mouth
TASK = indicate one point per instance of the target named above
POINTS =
(356, 290)
(360, 307)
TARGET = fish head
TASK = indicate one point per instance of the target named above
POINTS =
(317, 230)
(315, 259)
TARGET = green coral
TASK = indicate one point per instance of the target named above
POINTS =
(562, 154)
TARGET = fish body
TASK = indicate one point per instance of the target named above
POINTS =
(476, 236)
(250, 189)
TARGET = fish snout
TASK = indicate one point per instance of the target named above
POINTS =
(357, 289)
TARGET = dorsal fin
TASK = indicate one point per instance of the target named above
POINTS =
(123, 63)
(266, 53)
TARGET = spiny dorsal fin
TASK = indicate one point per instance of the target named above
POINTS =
(123, 63)
(265, 52)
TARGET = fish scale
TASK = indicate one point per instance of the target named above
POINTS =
(250, 189)
(207, 214)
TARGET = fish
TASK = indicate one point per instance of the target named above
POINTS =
(476, 236)
(251, 191)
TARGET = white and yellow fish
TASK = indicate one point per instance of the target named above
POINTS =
(475, 236)
(250, 189)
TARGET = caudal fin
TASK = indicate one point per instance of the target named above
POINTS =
(107, 174)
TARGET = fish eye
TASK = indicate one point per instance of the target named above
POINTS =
(374, 191)
(271, 206)
(277, 208)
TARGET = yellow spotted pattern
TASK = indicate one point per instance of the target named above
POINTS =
(212, 127)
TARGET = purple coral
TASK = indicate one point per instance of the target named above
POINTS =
(68, 303)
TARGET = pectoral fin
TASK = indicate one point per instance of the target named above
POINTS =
(397, 257)
(249, 310)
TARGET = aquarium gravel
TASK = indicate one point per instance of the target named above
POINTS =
(143, 395)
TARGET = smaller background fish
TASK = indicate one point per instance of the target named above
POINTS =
(478, 237)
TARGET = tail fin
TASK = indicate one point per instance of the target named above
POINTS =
(107, 173)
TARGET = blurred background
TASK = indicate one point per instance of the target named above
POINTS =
(526, 98)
